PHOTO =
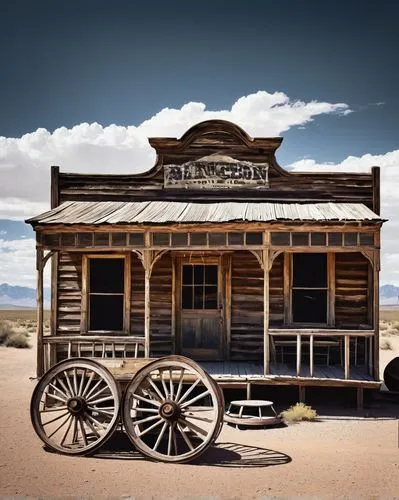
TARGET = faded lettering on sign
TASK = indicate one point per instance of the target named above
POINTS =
(216, 174)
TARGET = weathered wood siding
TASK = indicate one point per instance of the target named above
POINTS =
(69, 284)
(351, 290)
(246, 307)
(161, 307)
(276, 292)
(137, 297)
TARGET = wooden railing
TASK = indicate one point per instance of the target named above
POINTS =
(318, 338)
(103, 347)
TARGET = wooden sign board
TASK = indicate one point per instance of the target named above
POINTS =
(212, 173)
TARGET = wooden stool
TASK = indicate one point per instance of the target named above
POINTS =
(239, 418)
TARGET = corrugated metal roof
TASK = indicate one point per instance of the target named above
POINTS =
(164, 212)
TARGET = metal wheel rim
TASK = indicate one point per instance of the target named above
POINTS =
(75, 406)
(184, 433)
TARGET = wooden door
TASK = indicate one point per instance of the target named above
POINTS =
(201, 314)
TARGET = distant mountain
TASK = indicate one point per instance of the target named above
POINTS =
(20, 296)
(389, 295)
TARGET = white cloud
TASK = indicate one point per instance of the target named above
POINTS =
(25, 162)
(389, 164)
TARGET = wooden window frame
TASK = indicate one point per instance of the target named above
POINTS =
(288, 287)
(84, 325)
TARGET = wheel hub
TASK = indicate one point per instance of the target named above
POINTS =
(169, 410)
(77, 405)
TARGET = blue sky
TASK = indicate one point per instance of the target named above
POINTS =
(322, 75)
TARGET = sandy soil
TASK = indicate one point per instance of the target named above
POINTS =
(333, 458)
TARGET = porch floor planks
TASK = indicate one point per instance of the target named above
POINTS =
(242, 370)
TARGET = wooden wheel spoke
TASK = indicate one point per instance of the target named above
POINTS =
(198, 397)
(97, 393)
(171, 391)
(154, 386)
(66, 432)
(97, 384)
(55, 419)
(82, 430)
(145, 400)
(164, 384)
(142, 433)
(53, 386)
(60, 426)
(185, 437)
(180, 385)
(89, 381)
(145, 410)
(102, 400)
(62, 384)
(195, 417)
(92, 419)
(165, 425)
(57, 408)
(200, 432)
(75, 380)
(189, 390)
(101, 410)
(75, 430)
(48, 395)
(147, 419)
(170, 439)
(69, 383)
(93, 429)
(173, 427)
(82, 378)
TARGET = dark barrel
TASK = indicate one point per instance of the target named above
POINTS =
(391, 375)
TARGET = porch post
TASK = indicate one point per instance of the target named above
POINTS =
(39, 312)
(376, 315)
(266, 338)
(147, 300)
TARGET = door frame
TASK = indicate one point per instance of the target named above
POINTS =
(223, 261)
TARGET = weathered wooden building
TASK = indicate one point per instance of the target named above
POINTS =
(263, 275)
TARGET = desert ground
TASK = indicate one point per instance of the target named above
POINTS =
(347, 456)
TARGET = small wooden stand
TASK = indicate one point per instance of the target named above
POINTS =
(252, 420)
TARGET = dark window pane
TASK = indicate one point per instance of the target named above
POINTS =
(318, 239)
(211, 275)
(211, 299)
(198, 297)
(309, 306)
(106, 312)
(179, 239)
(350, 239)
(367, 239)
(187, 275)
(50, 240)
(310, 270)
(280, 239)
(217, 239)
(335, 239)
(254, 238)
(101, 239)
(198, 239)
(136, 239)
(198, 274)
(236, 238)
(160, 239)
(68, 239)
(106, 275)
(118, 239)
(85, 239)
(187, 297)
(300, 239)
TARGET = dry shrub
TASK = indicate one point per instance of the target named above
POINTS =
(298, 412)
(18, 340)
(6, 329)
(385, 345)
(383, 325)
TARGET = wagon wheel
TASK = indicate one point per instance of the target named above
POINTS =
(222, 403)
(172, 411)
(75, 406)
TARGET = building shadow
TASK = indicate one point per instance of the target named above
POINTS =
(234, 455)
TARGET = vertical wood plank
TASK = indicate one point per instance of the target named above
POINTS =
(298, 355)
(227, 286)
(375, 172)
(287, 289)
(311, 360)
(84, 323)
(347, 356)
(376, 313)
(331, 289)
(39, 313)
(127, 293)
(266, 337)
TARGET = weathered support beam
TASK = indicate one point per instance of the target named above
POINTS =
(376, 314)
(347, 356)
(298, 355)
(266, 338)
(311, 358)
(39, 313)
